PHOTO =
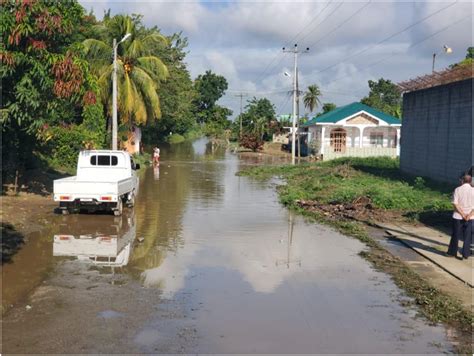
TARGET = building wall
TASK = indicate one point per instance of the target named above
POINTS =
(352, 138)
(437, 132)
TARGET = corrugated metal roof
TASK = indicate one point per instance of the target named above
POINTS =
(349, 110)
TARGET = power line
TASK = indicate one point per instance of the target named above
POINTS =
(342, 23)
(327, 17)
(387, 38)
(294, 37)
(390, 56)
(284, 103)
(313, 20)
(259, 92)
(423, 40)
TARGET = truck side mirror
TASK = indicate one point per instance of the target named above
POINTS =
(137, 166)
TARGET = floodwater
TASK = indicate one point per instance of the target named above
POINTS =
(207, 262)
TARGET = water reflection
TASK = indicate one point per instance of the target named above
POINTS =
(289, 259)
(227, 270)
(156, 172)
(100, 240)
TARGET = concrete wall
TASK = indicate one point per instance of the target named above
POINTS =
(437, 138)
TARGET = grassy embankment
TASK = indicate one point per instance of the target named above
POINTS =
(348, 193)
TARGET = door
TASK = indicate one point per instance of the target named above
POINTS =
(338, 140)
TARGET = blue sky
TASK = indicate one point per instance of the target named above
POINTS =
(350, 42)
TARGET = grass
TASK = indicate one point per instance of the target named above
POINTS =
(342, 181)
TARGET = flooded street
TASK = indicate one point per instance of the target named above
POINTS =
(207, 262)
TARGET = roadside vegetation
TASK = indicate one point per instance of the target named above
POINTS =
(56, 70)
(377, 183)
(350, 193)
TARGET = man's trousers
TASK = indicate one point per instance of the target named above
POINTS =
(462, 230)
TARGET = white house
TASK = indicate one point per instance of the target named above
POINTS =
(355, 130)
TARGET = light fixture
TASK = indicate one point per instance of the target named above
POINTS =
(447, 49)
(125, 37)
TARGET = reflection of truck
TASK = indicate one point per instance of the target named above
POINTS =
(104, 180)
(100, 240)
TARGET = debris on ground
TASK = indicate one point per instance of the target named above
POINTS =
(360, 208)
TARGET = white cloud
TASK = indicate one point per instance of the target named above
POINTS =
(243, 40)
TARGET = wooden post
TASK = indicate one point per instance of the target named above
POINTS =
(16, 183)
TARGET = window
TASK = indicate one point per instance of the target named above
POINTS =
(376, 139)
(103, 160)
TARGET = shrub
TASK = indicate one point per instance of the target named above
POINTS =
(252, 142)
(175, 138)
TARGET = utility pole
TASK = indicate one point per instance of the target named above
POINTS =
(241, 95)
(298, 116)
(114, 91)
(295, 97)
(114, 99)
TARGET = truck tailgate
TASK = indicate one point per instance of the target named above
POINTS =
(90, 189)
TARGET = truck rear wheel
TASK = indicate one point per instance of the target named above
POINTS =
(131, 200)
(119, 208)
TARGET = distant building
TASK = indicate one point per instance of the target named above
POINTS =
(438, 137)
(355, 130)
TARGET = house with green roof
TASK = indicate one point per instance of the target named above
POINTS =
(355, 130)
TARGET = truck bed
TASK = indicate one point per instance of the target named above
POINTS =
(81, 189)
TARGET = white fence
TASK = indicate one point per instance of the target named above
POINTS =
(359, 152)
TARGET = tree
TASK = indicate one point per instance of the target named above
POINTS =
(210, 88)
(470, 53)
(259, 118)
(139, 73)
(468, 60)
(46, 82)
(311, 97)
(177, 93)
(384, 96)
(327, 107)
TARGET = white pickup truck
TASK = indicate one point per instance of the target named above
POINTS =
(105, 180)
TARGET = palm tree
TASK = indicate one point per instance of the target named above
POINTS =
(139, 71)
(311, 97)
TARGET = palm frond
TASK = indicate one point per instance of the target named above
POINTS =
(127, 96)
(98, 53)
(135, 49)
(97, 50)
(154, 67)
(105, 84)
(154, 39)
(148, 90)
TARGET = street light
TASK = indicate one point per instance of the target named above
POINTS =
(447, 50)
(114, 92)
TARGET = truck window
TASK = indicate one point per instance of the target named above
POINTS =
(102, 160)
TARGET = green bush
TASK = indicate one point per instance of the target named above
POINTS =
(65, 142)
(175, 138)
(143, 159)
(193, 134)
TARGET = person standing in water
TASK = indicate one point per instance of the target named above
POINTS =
(156, 156)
